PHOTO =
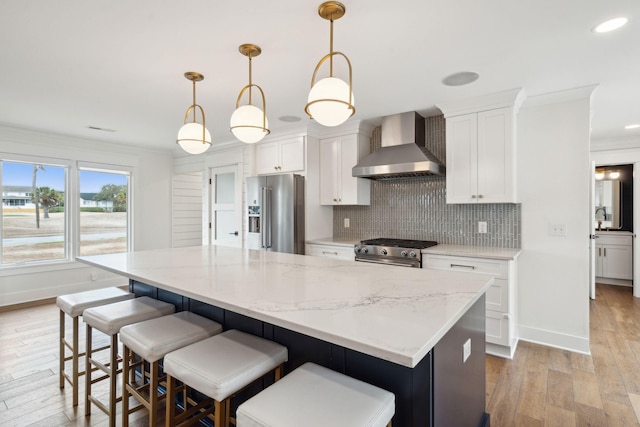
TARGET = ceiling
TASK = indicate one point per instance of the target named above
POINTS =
(68, 65)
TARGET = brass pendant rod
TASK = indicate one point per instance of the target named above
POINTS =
(194, 100)
(250, 82)
(331, 48)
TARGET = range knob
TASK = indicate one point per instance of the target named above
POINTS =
(412, 254)
(403, 253)
(383, 251)
(357, 249)
(365, 250)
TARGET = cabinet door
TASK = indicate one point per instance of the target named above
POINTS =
(462, 156)
(348, 156)
(329, 169)
(267, 158)
(617, 262)
(495, 156)
(599, 261)
(292, 155)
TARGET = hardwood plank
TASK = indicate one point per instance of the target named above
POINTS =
(635, 403)
(559, 417)
(560, 390)
(619, 415)
(589, 416)
(585, 388)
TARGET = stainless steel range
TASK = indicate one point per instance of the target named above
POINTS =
(405, 253)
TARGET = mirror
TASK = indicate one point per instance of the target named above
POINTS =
(608, 205)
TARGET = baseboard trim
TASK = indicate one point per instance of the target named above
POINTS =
(554, 339)
(41, 296)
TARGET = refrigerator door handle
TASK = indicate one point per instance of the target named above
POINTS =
(265, 217)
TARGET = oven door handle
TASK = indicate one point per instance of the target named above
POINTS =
(414, 264)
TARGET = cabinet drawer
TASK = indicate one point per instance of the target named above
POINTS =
(609, 239)
(498, 296)
(328, 251)
(498, 325)
(497, 268)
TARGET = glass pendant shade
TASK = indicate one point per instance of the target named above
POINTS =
(190, 138)
(329, 102)
(249, 124)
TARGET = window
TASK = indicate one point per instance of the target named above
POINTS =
(82, 209)
(103, 212)
(33, 212)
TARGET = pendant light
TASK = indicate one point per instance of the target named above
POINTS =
(249, 123)
(193, 137)
(330, 100)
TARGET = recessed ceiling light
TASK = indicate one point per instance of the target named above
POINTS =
(610, 25)
(460, 79)
(289, 119)
(635, 126)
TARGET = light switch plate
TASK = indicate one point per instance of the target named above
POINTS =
(466, 350)
(346, 223)
(482, 227)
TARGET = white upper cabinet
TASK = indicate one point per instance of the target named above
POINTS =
(481, 149)
(338, 155)
(281, 156)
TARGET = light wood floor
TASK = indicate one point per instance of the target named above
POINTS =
(541, 386)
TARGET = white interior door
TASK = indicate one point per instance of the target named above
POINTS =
(225, 222)
(592, 233)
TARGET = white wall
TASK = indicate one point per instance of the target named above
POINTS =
(151, 178)
(553, 185)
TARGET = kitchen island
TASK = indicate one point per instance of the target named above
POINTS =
(399, 328)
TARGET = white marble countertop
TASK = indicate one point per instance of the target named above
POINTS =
(393, 313)
(473, 251)
(334, 242)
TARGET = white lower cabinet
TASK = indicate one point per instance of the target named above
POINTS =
(614, 257)
(330, 251)
(500, 297)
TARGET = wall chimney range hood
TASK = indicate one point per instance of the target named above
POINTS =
(403, 153)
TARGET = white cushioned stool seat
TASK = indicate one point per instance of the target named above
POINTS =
(75, 304)
(223, 364)
(110, 318)
(313, 396)
(153, 339)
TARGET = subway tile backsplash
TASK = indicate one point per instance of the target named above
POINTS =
(415, 208)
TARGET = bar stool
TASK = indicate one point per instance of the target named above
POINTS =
(108, 319)
(314, 396)
(219, 367)
(151, 340)
(73, 305)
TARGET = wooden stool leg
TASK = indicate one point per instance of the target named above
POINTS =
(62, 349)
(113, 375)
(74, 358)
(87, 374)
(126, 360)
(170, 401)
(153, 394)
(218, 413)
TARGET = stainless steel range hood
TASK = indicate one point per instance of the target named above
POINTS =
(403, 152)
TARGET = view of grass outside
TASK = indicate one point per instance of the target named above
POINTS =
(37, 235)
(103, 214)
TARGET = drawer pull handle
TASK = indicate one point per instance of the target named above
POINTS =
(329, 253)
(471, 267)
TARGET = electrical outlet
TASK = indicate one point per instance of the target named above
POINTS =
(346, 223)
(557, 229)
(482, 227)
(466, 350)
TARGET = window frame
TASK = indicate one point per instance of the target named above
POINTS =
(72, 210)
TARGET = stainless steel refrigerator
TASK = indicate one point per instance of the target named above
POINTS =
(275, 213)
